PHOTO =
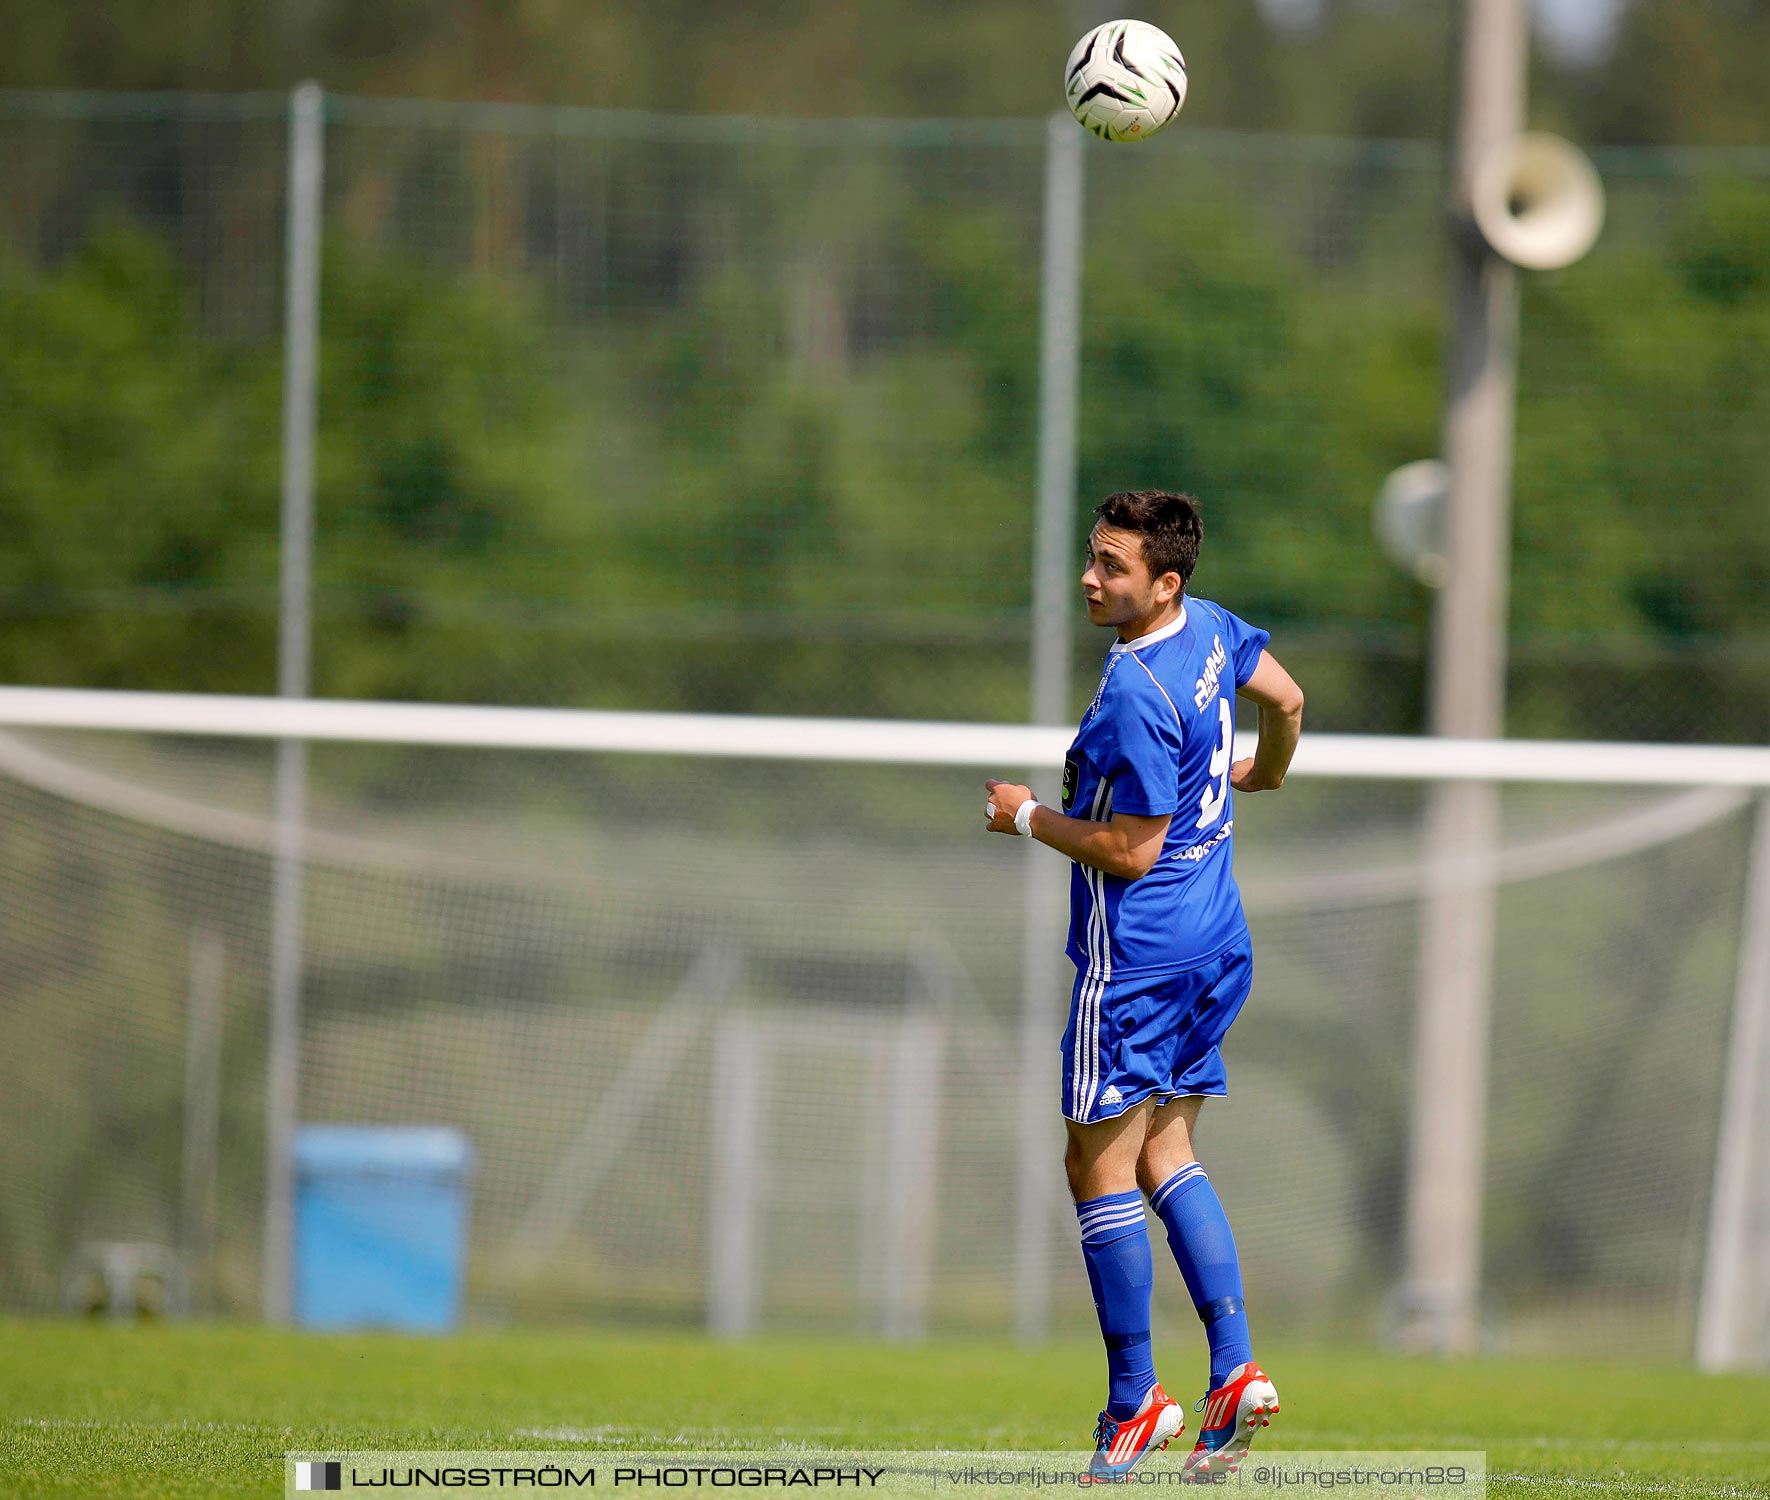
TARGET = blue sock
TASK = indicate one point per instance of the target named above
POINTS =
(1115, 1244)
(1198, 1234)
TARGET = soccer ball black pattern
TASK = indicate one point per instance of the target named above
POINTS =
(1125, 80)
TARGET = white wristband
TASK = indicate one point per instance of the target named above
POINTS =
(1023, 817)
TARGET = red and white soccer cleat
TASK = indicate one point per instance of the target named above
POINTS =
(1234, 1413)
(1119, 1445)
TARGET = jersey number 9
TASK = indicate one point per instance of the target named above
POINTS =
(1211, 801)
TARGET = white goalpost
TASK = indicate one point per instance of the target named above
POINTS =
(565, 931)
(860, 741)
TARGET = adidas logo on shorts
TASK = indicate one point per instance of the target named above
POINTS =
(1112, 1096)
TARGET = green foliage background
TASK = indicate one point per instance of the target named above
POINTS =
(738, 416)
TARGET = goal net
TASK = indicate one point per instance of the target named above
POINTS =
(739, 1039)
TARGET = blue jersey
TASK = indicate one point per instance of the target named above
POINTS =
(1156, 741)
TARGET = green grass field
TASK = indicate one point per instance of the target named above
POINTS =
(204, 1411)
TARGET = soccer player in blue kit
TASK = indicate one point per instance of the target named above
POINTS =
(1162, 956)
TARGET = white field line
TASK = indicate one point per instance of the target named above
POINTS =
(109, 1424)
(782, 1439)
(1410, 1442)
(639, 1437)
(608, 1433)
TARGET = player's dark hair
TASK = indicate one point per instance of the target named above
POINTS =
(1169, 525)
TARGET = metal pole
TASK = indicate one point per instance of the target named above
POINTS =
(1468, 695)
(912, 1137)
(1733, 1320)
(300, 382)
(1054, 590)
(738, 1185)
(202, 1113)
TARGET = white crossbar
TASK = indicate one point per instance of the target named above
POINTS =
(877, 741)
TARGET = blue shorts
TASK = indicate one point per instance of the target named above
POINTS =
(1129, 1040)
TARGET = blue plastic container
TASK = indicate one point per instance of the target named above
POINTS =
(380, 1226)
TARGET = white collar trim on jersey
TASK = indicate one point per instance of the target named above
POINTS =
(1173, 627)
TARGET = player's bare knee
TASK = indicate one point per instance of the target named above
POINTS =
(1147, 1179)
(1159, 1160)
(1075, 1166)
(1151, 1169)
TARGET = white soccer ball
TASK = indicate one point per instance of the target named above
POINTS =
(1125, 80)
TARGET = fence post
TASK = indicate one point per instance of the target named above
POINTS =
(202, 1114)
(1054, 588)
(738, 1181)
(294, 634)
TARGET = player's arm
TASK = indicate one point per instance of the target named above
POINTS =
(1125, 845)
(1281, 725)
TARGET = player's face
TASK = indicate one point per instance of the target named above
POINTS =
(1116, 581)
